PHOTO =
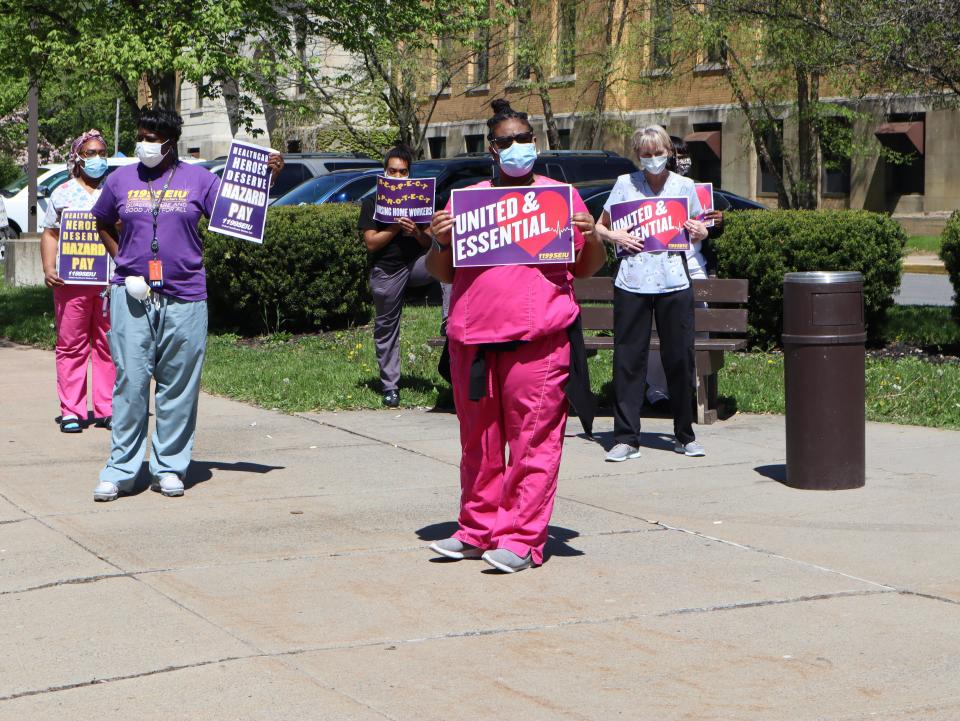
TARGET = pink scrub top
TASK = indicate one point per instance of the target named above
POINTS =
(514, 302)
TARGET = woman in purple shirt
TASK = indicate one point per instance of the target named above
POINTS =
(148, 216)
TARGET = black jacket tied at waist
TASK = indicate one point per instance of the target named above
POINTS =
(577, 389)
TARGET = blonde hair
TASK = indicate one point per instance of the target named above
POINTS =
(652, 138)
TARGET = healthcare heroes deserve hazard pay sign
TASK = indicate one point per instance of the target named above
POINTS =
(81, 257)
(527, 225)
(240, 209)
(657, 221)
(404, 198)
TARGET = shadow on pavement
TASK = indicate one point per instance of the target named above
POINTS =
(557, 538)
(775, 472)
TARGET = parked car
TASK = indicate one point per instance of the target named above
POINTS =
(4, 231)
(596, 192)
(576, 166)
(340, 186)
(48, 181)
(300, 167)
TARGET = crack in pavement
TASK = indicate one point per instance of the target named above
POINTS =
(466, 633)
(741, 546)
(380, 550)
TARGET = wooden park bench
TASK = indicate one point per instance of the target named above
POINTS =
(725, 319)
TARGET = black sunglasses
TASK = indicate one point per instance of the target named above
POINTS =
(505, 141)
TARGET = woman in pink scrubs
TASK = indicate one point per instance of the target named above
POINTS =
(510, 358)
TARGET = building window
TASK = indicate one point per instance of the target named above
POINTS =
(193, 152)
(564, 138)
(438, 146)
(444, 61)
(907, 141)
(773, 139)
(566, 37)
(521, 34)
(704, 146)
(475, 143)
(481, 61)
(834, 164)
(662, 24)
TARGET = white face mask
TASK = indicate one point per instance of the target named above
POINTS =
(654, 165)
(150, 154)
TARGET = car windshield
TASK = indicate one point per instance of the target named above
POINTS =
(312, 191)
(426, 169)
(19, 184)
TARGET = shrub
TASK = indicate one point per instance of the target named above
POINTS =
(764, 245)
(310, 272)
(950, 255)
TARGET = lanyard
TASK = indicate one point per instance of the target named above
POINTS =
(155, 203)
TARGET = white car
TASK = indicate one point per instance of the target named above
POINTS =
(49, 178)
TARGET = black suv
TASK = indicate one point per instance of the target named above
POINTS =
(567, 166)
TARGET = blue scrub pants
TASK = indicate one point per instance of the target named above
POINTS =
(166, 342)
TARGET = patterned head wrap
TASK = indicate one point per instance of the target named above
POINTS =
(74, 157)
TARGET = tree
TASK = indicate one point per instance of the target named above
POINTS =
(395, 49)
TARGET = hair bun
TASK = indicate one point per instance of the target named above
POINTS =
(500, 105)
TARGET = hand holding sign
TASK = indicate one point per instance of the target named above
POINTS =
(660, 224)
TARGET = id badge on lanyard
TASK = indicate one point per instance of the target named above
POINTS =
(156, 265)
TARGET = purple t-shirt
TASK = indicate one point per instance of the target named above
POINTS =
(126, 198)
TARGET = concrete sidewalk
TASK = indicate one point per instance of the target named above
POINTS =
(292, 582)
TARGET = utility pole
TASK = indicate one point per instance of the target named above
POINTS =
(33, 121)
(116, 130)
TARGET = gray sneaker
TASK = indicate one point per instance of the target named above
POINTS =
(507, 561)
(622, 452)
(692, 449)
(169, 485)
(456, 549)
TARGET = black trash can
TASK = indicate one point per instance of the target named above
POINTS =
(823, 348)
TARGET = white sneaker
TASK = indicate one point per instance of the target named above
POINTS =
(168, 485)
(106, 491)
(692, 449)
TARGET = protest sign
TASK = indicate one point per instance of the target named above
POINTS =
(705, 195)
(81, 257)
(240, 209)
(658, 221)
(404, 198)
(528, 225)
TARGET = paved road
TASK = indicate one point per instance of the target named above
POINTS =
(292, 583)
(924, 289)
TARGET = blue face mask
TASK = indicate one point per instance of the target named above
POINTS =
(94, 167)
(517, 160)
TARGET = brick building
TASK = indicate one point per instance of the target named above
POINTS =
(698, 105)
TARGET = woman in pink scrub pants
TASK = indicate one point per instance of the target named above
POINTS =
(510, 359)
(80, 312)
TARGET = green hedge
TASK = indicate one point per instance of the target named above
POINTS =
(764, 245)
(950, 255)
(309, 274)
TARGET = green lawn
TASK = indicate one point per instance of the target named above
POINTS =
(338, 370)
(923, 244)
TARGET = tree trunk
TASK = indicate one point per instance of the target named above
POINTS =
(164, 89)
(804, 190)
(543, 92)
(609, 63)
(231, 98)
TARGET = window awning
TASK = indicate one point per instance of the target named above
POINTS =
(904, 137)
(710, 138)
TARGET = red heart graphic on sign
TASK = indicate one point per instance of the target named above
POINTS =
(553, 206)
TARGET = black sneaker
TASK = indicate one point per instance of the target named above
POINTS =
(391, 399)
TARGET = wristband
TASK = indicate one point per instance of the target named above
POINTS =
(436, 244)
